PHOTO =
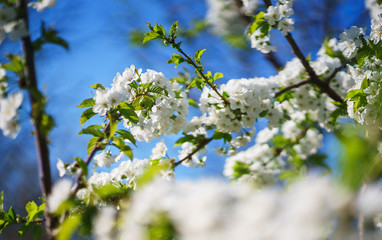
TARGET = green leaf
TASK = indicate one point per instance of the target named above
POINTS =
(198, 55)
(16, 64)
(126, 135)
(176, 58)
(143, 102)
(220, 135)
(151, 36)
(49, 35)
(97, 85)
(82, 165)
(186, 138)
(197, 82)
(155, 89)
(353, 93)
(68, 227)
(113, 126)
(119, 143)
(218, 75)
(127, 111)
(318, 159)
(86, 115)
(257, 23)
(358, 154)
(92, 130)
(362, 56)
(173, 29)
(11, 215)
(159, 29)
(192, 102)
(91, 144)
(34, 211)
(36, 231)
(89, 102)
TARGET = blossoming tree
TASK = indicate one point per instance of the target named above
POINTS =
(272, 193)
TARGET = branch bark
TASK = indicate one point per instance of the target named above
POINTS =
(36, 117)
(296, 85)
(200, 146)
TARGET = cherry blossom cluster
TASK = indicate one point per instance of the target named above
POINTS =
(351, 41)
(276, 17)
(248, 98)
(163, 109)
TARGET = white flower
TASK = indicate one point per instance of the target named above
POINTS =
(106, 159)
(60, 192)
(16, 30)
(104, 223)
(61, 168)
(159, 150)
(41, 5)
(376, 30)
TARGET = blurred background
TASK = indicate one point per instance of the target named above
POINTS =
(104, 39)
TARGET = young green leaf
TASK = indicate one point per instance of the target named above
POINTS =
(150, 36)
(86, 115)
(97, 85)
(91, 144)
(176, 58)
(198, 56)
(173, 29)
(92, 130)
(89, 102)
(126, 135)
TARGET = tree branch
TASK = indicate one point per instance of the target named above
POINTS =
(200, 146)
(36, 117)
(296, 85)
(336, 70)
(324, 86)
(189, 60)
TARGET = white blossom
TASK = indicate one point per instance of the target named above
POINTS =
(60, 193)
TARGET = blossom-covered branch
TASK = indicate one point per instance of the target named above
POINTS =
(324, 86)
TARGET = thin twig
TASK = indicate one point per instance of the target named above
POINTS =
(200, 146)
(77, 184)
(336, 70)
(324, 86)
(296, 85)
(36, 117)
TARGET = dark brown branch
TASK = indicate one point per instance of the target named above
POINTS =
(335, 71)
(36, 117)
(77, 184)
(296, 85)
(199, 147)
(324, 86)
